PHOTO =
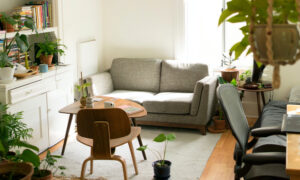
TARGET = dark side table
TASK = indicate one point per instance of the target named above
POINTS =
(259, 92)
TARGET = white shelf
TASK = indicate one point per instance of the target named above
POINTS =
(29, 32)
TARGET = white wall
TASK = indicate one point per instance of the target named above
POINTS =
(139, 28)
(82, 21)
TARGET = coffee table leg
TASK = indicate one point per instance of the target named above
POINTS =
(139, 139)
(263, 98)
(258, 103)
(67, 134)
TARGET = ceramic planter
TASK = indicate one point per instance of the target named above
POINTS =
(7, 73)
(162, 172)
(285, 41)
(23, 171)
(47, 173)
(46, 59)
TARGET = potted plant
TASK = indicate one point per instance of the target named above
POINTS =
(243, 77)
(16, 171)
(162, 166)
(230, 72)
(6, 67)
(82, 90)
(47, 49)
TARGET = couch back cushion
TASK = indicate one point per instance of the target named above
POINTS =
(136, 74)
(181, 77)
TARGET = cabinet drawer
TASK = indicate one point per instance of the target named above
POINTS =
(25, 92)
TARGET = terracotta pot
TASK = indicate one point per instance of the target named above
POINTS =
(46, 59)
(48, 176)
(229, 74)
(83, 101)
(23, 169)
(219, 124)
(8, 27)
(285, 38)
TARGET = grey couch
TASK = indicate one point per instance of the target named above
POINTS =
(175, 94)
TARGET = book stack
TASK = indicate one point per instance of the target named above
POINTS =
(24, 12)
(1, 45)
(41, 12)
(13, 55)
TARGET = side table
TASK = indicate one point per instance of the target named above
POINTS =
(259, 92)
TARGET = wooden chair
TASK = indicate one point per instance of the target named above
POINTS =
(103, 130)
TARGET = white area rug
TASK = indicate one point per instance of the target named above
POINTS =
(188, 153)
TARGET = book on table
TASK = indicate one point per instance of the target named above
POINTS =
(130, 109)
(291, 123)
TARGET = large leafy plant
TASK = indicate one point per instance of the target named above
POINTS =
(13, 133)
(162, 138)
(19, 39)
(240, 11)
(49, 47)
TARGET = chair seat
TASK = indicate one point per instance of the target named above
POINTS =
(135, 131)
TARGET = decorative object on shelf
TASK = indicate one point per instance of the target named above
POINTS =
(82, 89)
(47, 49)
(43, 68)
(229, 73)
(161, 167)
(266, 22)
(27, 74)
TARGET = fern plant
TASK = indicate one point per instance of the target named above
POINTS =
(13, 132)
(49, 47)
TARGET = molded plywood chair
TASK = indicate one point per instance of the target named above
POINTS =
(103, 130)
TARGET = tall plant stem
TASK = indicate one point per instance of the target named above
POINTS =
(163, 161)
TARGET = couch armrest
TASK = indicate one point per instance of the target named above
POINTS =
(100, 84)
(267, 131)
(206, 98)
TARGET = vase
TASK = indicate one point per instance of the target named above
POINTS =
(7, 73)
(285, 38)
(46, 59)
(257, 72)
(83, 101)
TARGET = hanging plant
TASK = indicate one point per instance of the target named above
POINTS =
(266, 22)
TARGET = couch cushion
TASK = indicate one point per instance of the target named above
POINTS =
(136, 96)
(177, 76)
(169, 103)
(136, 74)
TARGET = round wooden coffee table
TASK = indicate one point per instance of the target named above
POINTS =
(73, 109)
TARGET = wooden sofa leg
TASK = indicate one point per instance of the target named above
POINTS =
(203, 130)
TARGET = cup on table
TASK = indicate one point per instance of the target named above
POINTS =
(43, 68)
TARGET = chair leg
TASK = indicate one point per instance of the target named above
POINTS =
(123, 162)
(83, 167)
(91, 166)
(133, 157)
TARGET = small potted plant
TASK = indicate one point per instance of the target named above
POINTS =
(162, 166)
(82, 89)
(47, 49)
(229, 72)
(243, 77)
(46, 168)
(6, 67)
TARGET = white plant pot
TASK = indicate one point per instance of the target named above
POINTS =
(7, 73)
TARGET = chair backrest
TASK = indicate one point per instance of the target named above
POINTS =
(235, 116)
(119, 123)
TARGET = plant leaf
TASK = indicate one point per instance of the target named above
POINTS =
(26, 145)
(171, 137)
(226, 13)
(236, 19)
(142, 148)
(160, 138)
(29, 156)
(22, 42)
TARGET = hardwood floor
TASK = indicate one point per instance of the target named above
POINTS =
(220, 164)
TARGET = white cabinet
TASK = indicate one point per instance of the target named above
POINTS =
(40, 97)
(35, 116)
(57, 99)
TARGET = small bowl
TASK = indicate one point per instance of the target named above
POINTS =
(251, 86)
